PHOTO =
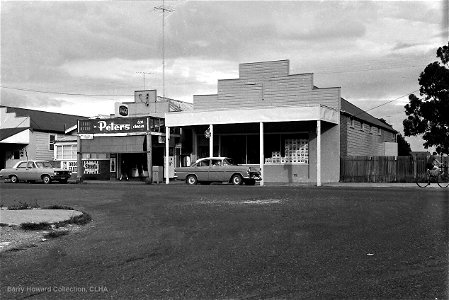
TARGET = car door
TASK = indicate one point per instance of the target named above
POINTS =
(202, 170)
(228, 169)
(20, 170)
(34, 173)
(216, 171)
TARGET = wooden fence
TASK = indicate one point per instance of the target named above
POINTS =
(382, 168)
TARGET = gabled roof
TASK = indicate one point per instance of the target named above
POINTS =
(358, 113)
(8, 132)
(45, 121)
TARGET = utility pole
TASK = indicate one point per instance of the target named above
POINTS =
(164, 10)
(144, 73)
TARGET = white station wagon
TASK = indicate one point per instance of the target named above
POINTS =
(35, 170)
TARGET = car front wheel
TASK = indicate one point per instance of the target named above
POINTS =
(14, 179)
(191, 179)
(236, 179)
(46, 179)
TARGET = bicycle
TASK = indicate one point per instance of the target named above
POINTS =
(440, 176)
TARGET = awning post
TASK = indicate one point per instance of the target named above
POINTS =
(261, 155)
(167, 152)
(211, 140)
(318, 153)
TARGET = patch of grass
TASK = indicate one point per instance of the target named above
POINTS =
(57, 206)
(56, 233)
(23, 205)
(35, 226)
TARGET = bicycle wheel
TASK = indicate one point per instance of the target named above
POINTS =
(422, 180)
(443, 180)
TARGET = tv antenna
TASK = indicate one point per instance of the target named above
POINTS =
(143, 73)
(164, 10)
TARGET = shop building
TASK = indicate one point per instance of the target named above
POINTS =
(31, 134)
(278, 121)
(130, 142)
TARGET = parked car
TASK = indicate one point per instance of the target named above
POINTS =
(35, 170)
(217, 169)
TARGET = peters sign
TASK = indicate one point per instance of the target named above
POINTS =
(115, 125)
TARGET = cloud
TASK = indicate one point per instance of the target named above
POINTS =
(9, 98)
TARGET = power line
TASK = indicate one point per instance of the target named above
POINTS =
(367, 110)
(62, 93)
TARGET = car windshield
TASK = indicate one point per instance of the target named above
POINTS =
(43, 164)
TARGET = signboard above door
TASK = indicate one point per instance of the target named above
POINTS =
(114, 125)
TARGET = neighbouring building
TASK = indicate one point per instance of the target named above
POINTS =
(294, 131)
(31, 134)
(131, 141)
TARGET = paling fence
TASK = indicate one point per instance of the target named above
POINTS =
(382, 168)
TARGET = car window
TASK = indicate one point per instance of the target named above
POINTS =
(22, 165)
(228, 161)
(203, 163)
(216, 162)
(43, 164)
(30, 165)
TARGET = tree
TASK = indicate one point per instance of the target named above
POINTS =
(429, 115)
(403, 146)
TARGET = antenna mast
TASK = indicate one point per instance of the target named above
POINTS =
(164, 10)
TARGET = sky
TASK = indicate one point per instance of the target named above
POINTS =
(80, 57)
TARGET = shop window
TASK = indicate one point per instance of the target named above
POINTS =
(51, 144)
(16, 154)
(293, 148)
(379, 132)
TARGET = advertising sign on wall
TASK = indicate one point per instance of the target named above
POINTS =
(115, 125)
(91, 167)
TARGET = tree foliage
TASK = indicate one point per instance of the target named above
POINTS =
(429, 115)
(403, 146)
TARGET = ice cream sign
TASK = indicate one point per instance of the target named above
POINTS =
(115, 125)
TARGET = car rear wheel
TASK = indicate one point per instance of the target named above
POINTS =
(191, 179)
(46, 179)
(14, 179)
(236, 179)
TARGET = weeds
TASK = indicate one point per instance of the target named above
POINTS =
(35, 226)
(78, 220)
(23, 205)
(56, 206)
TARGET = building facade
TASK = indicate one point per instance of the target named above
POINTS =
(280, 122)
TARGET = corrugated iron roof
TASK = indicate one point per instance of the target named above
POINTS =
(45, 121)
(358, 113)
(8, 132)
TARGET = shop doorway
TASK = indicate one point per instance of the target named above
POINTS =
(132, 166)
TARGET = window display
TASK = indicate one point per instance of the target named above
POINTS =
(295, 151)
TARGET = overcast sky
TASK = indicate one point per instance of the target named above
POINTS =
(373, 50)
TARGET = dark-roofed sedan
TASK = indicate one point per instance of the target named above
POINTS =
(218, 169)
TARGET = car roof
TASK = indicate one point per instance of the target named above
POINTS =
(213, 157)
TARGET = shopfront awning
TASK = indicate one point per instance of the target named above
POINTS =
(251, 115)
(15, 136)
